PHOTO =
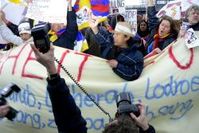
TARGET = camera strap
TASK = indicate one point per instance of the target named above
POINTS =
(83, 90)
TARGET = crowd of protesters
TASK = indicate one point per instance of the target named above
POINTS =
(112, 40)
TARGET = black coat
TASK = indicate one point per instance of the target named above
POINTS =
(67, 115)
(67, 39)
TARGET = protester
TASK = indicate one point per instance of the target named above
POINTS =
(24, 29)
(163, 32)
(143, 29)
(192, 15)
(120, 49)
(191, 20)
(65, 36)
(68, 116)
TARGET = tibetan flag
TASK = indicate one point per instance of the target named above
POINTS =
(100, 7)
(84, 8)
(81, 43)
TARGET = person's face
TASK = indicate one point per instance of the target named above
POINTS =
(120, 40)
(143, 26)
(193, 16)
(25, 36)
(164, 28)
(56, 27)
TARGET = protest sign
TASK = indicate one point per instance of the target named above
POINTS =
(48, 11)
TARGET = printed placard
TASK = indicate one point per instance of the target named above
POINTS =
(191, 39)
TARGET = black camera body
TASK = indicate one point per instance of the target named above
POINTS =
(125, 106)
(41, 37)
(6, 92)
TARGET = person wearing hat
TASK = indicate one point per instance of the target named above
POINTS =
(24, 30)
(120, 49)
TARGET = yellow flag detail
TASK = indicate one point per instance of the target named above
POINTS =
(53, 36)
(84, 46)
(83, 3)
(15, 1)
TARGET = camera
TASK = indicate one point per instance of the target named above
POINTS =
(41, 37)
(125, 106)
(6, 92)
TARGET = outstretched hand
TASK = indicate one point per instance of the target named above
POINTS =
(46, 59)
(93, 23)
(141, 120)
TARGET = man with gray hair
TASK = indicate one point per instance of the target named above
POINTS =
(192, 16)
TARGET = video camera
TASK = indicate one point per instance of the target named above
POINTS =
(124, 105)
(6, 92)
(41, 37)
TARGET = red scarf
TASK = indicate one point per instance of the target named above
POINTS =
(156, 39)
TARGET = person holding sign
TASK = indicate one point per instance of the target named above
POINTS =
(163, 32)
(24, 29)
(120, 49)
(65, 36)
(191, 20)
(192, 15)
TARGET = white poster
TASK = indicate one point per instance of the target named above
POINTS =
(13, 12)
(48, 11)
(191, 39)
(131, 17)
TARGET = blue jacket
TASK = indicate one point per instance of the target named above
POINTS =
(67, 115)
(130, 60)
(153, 27)
(67, 39)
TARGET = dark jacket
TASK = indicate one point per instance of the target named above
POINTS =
(153, 27)
(94, 48)
(130, 60)
(195, 27)
(67, 115)
(67, 39)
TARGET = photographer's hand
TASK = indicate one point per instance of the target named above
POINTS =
(141, 120)
(47, 59)
(4, 110)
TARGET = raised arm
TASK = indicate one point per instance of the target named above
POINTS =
(151, 13)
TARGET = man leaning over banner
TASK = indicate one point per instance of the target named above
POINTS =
(65, 36)
(191, 20)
